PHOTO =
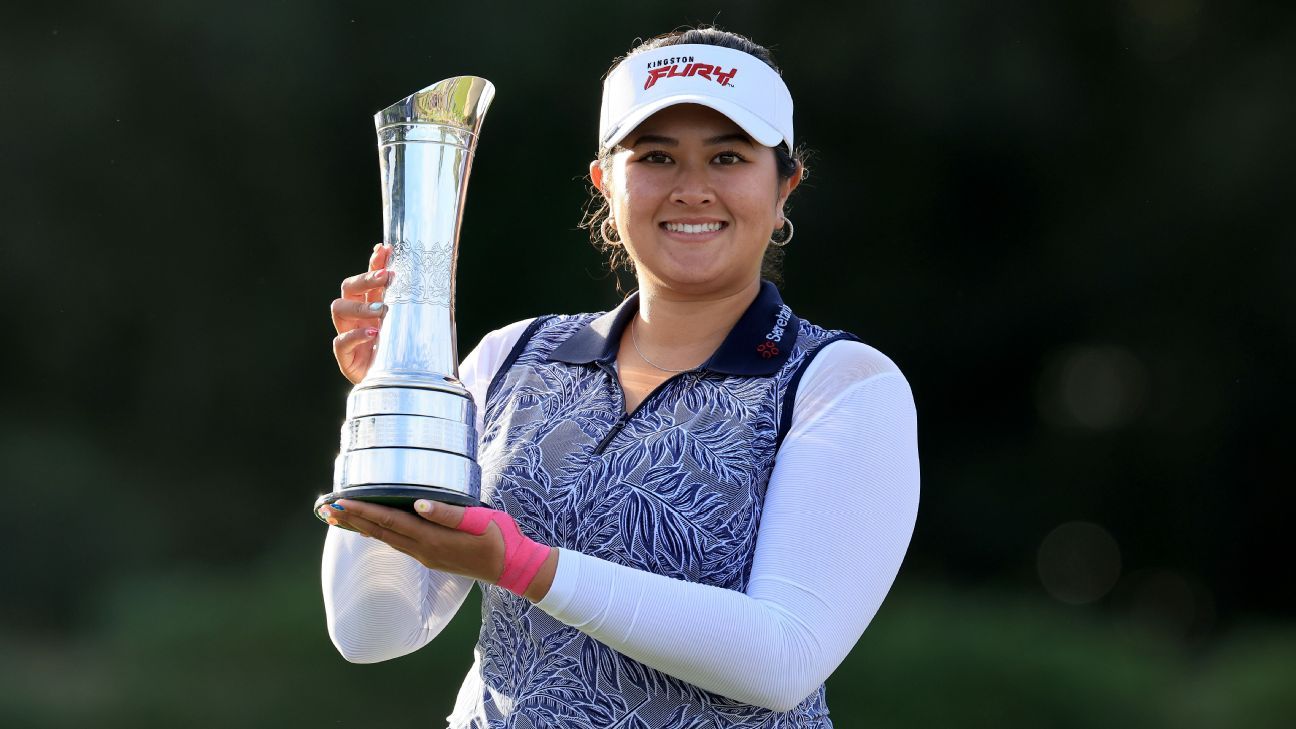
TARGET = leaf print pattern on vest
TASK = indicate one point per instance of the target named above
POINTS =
(678, 491)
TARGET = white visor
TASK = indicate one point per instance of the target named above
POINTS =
(740, 86)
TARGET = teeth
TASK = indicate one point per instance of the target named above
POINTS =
(687, 228)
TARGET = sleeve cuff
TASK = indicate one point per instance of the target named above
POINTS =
(563, 589)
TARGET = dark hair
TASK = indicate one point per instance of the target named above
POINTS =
(786, 162)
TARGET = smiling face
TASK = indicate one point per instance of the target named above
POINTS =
(694, 200)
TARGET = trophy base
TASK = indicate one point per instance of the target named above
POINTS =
(397, 496)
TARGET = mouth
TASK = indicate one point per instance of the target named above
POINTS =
(697, 229)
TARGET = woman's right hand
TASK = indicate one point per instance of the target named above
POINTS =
(357, 315)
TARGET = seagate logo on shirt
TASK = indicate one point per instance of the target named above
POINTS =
(768, 348)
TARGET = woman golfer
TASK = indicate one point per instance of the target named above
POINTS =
(698, 499)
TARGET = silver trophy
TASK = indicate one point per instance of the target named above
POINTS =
(410, 429)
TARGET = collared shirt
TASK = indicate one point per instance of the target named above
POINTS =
(674, 488)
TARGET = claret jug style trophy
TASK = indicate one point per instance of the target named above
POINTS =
(410, 429)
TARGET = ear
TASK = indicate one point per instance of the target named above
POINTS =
(785, 189)
(596, 176)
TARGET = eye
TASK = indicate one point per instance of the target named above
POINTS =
(656, 156)
(729, 157)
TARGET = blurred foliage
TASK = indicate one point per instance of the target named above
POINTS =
(1068, 223)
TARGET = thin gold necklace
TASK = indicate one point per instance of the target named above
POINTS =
(635, 341)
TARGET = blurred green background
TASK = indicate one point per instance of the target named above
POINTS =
(1064, 221)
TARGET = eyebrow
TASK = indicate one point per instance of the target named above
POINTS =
(672, 142)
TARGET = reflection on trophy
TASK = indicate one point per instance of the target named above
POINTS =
(410, 428)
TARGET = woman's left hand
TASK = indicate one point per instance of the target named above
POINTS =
(438, 537)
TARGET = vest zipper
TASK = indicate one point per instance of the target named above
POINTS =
(625, 417)
(616, 428)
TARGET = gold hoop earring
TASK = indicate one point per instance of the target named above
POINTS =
(787, 222)
(603, 232)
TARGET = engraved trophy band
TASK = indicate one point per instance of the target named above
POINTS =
(410, 429)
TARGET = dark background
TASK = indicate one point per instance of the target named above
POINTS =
(1064, 221)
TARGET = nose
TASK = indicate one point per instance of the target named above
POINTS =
(692, 187)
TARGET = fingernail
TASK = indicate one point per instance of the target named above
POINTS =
(323, 513)
(378, 275)
(371, 332)
(332, 521)
(376, 307)
(339, 507)
(377, 246)
(423, 506)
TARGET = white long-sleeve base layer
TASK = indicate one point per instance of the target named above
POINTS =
(838, 516)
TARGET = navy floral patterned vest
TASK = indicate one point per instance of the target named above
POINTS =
(675, 488)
